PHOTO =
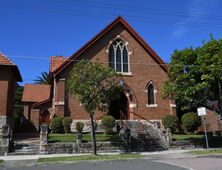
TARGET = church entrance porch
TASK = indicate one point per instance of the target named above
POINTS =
(119, 107)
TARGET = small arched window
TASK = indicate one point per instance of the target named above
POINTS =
(150, 94)
(118, 56)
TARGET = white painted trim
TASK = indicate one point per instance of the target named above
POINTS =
(127, 94)
(173, 105)
(151, 105)
(125, 73)
(59, 103)
(62, 79)
(132, 105)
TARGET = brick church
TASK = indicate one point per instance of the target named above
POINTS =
(120, 47)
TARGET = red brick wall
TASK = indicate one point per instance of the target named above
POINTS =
(7, 89)
(212, 122)
(141, 74)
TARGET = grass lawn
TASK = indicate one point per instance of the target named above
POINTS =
(90, 157)
(208, 152)
(86, 137)
(184, 137)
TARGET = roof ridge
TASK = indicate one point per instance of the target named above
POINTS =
(6, 58)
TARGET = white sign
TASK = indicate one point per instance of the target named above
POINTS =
(201, 111)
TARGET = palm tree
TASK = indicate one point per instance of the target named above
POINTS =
(43, 79)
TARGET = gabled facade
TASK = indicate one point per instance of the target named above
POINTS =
(143, 72)
(9, 75)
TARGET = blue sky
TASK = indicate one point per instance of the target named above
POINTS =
(32, 31)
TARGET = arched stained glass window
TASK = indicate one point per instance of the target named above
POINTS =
(118, 56)
(150, 94)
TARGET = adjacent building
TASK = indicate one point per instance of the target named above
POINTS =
(9, 75)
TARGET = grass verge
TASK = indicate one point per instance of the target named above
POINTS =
(86, 137)
(1, 162)
(181, 137)
(206, 152)
(90, 157)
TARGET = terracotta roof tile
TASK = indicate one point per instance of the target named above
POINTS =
(55, 62)
(4, 60)
(35, 92)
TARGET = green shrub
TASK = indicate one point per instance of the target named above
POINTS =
(108, 123)
(170, 121)
(56, 125)
(79, 126)
(66, 122)
(191, 121)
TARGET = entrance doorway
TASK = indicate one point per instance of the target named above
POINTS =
(119, 107)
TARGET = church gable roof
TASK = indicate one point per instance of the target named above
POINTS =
(101, 34)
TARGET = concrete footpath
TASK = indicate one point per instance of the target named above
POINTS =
(175, 158)
(163, 154)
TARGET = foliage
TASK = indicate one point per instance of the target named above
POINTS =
(170, 121)
(195, 77)
(56, 125)
(18, 107)
(191, 121)
(66, 122)
(79, 126)
(43, 79)
(95, 86)
(108, 121)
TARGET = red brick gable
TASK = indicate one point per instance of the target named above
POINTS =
(35, 93)
(102, 33)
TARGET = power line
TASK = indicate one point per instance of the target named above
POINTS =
(139, 8)
(48, 58)
(135, 18)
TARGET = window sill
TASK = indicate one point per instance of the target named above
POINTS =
(59, 103)
(125, 74)
(151, 105)
(173, 105)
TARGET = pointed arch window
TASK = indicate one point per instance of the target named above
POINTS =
(118, 56)
(150, 94)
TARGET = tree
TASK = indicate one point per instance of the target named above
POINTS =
(195, 77)
(18, 106)
(95, 85)
(43, 79)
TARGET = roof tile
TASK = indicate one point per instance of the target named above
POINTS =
(35, 92)
(4, 60)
